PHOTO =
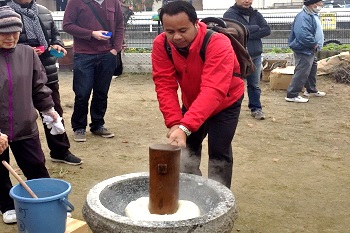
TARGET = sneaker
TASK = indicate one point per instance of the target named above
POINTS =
(79, 135)
(9, 217)
(318, 94)
(297, 99)
(68, 159)
(258, 114)
(103, 132)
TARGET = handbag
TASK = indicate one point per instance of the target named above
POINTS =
(118, 63)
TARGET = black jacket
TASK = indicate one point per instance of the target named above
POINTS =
(52, 36)
(257, 27)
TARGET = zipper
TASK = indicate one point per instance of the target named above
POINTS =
(10, 98)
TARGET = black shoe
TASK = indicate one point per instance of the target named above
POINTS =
(68, 159)
(103, 132)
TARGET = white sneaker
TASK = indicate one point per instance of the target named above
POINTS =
(9, 216)
(318, 94)
(297, 99)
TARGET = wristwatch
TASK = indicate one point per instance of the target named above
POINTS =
(187, 131)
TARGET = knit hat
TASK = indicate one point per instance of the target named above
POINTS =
(10, 21)
(310, 2)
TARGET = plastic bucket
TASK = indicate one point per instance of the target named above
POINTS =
(48, 212)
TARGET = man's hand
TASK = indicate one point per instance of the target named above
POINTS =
(177, 137)
(113, 51)
(98, 35)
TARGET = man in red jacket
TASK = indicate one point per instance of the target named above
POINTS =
(211, 97)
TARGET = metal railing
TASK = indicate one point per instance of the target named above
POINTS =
(140, 32)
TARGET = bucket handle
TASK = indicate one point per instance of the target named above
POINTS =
(68, 204)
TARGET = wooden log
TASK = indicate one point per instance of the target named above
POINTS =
(164, 166)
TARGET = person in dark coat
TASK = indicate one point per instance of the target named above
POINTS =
(40, 32)
(258, 28)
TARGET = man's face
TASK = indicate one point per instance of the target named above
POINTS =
(244, 3)
(9, 40)
(179, 30)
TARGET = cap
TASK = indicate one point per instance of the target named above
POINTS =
(310, 2)
(10, 21)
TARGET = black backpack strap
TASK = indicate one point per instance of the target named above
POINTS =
(205, 43)
(168, 49)
(88, 2)
(204, 47)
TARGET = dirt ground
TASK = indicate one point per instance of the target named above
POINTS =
(291, 171)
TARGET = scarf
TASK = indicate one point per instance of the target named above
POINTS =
(309, 11)
(244, 11)
(31, 22)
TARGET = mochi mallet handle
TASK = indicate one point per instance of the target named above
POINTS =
(14, 173)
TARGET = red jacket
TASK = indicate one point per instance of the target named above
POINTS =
(206, 88)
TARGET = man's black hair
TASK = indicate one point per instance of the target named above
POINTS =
(176, 7)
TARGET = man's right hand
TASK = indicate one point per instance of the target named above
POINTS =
(99, 36)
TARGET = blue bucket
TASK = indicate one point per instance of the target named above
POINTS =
(48, 212)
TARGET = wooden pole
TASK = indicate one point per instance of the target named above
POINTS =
(164, 166)
(14, 173)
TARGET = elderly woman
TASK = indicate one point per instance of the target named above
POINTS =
(22, 92)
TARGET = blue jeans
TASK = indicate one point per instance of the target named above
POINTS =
(91, 73)
(253, 88)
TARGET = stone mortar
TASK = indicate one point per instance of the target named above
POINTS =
(106, 202)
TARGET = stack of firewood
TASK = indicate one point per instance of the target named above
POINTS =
(341, 72)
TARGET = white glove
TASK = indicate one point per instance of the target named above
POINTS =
(56, 127)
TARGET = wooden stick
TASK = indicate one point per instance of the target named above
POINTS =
(14, 173)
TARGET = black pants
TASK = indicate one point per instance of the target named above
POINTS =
(30, 159)
(58, 144)
(220, 129)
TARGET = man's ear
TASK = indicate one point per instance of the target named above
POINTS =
(196, 24)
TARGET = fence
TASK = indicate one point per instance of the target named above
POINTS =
(141, 29)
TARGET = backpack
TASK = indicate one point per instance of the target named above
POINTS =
(238, 35)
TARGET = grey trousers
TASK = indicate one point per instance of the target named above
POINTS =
(304, 75)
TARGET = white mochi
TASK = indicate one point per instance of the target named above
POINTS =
(138, 210)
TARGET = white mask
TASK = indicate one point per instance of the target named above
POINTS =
(317, 9)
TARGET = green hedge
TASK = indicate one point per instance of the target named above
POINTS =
(328, 47)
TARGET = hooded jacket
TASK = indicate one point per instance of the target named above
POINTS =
(52, 37)
(22, 91)
(256, 26)
(206, 88)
